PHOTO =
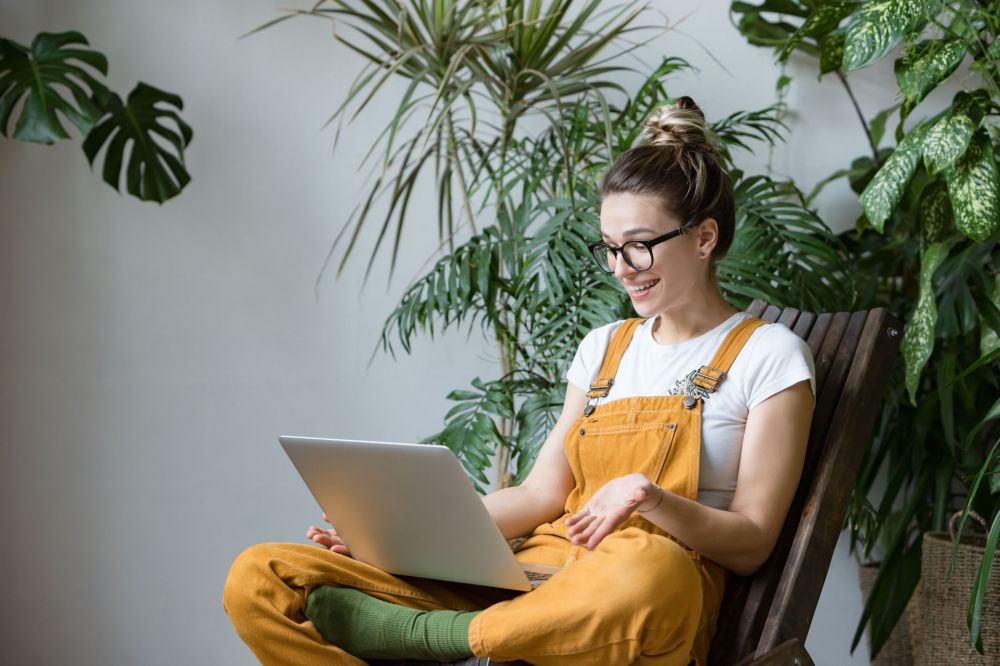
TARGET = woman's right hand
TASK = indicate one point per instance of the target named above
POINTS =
(328, 538)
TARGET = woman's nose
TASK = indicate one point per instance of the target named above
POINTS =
(621, 267)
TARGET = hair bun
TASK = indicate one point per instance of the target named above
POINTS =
(680, 125)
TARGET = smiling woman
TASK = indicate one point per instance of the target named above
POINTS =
(674, 461)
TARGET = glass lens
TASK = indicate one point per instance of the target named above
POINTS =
(639, 256)
(605, 259)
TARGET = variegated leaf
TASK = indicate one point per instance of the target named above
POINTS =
(973, 185)
(831, 53)
(825, 19)
(988, 339)
(936, 220)
(885, 190)
(949, 137)
(918, 341)
(925, 65)
(877, 27)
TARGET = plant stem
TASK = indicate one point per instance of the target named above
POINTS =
(861, 116)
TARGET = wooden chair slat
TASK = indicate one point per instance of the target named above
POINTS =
(771, 313)
(804, 324)
(788, 317)
(757, 307)
(827, 349)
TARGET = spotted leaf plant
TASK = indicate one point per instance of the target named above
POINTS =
(927, 248)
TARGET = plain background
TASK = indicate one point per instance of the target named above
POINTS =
(151, 355)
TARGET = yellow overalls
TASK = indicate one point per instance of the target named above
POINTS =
(640, 597)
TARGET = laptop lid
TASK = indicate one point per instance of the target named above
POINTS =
(407, 509)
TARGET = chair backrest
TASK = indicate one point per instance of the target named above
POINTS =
(854, 353)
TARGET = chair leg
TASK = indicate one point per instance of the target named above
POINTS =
(789, 653)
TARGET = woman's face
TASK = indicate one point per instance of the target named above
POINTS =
(677, 267)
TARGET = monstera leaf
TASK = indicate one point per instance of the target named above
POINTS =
(41, 76)
(155, 170)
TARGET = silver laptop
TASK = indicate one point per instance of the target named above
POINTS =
(410, 510)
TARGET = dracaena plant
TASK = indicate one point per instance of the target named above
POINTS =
(518, 109)
(926, 247)
(59, 79)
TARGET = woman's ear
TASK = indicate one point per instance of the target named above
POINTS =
(707, 236)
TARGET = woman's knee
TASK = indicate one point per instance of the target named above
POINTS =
(658, 569)
(244, 577)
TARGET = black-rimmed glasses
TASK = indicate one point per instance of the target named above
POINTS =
(637, 253)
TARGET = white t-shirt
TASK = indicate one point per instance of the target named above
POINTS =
(773, 359)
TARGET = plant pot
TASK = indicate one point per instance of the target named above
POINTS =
(897, 650)
(940, 634)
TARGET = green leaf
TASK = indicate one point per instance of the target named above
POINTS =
(949, 137)
(39, 75)
(820, 22)
(831, 53)
(883, 193)
(989, 340)
(918, 341)
(925, 65)
(974, 190)
(155, 168)
(877, 27)
(936, 221)
(992, 413)
(878, 124)
(974, 615)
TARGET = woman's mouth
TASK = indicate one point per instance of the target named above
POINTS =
(641, 289)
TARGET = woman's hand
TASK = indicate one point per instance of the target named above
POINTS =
(609, 507)
(328, 538)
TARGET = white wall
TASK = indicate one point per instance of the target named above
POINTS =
(150, 355)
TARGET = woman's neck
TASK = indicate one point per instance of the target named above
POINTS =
(686, 321)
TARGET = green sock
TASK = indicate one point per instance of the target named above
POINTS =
(370, 628)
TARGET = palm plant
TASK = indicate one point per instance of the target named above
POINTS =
(519, 107)
(927, 248)
(57, 76)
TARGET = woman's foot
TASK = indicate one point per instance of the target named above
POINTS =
(370, 628)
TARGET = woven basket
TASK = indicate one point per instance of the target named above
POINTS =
(940, 633)
(897, 650)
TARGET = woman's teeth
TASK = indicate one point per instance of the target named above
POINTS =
(641, 287)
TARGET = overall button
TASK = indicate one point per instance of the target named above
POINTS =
(582, 432)
(690, 402)
(671, 426)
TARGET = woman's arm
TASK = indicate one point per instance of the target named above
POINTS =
(542, 496)
(742, 537)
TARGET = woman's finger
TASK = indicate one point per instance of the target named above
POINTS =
(585, 531)
(581, 525)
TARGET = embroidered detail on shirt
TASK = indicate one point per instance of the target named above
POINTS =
(686, 386)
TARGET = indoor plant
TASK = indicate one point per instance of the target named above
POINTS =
(927, 248)
(56, 76)
(522, 112)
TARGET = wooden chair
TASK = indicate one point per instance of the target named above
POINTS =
(765, 617)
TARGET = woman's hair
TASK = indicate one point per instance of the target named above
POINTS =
(677, 164)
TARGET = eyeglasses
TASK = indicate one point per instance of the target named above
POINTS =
(637, 253)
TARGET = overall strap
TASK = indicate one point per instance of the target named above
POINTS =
(708, 377)
(601, 385)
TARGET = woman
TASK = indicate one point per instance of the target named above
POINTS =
(674, 461)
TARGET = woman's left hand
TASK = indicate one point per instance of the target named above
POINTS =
(609, 507)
